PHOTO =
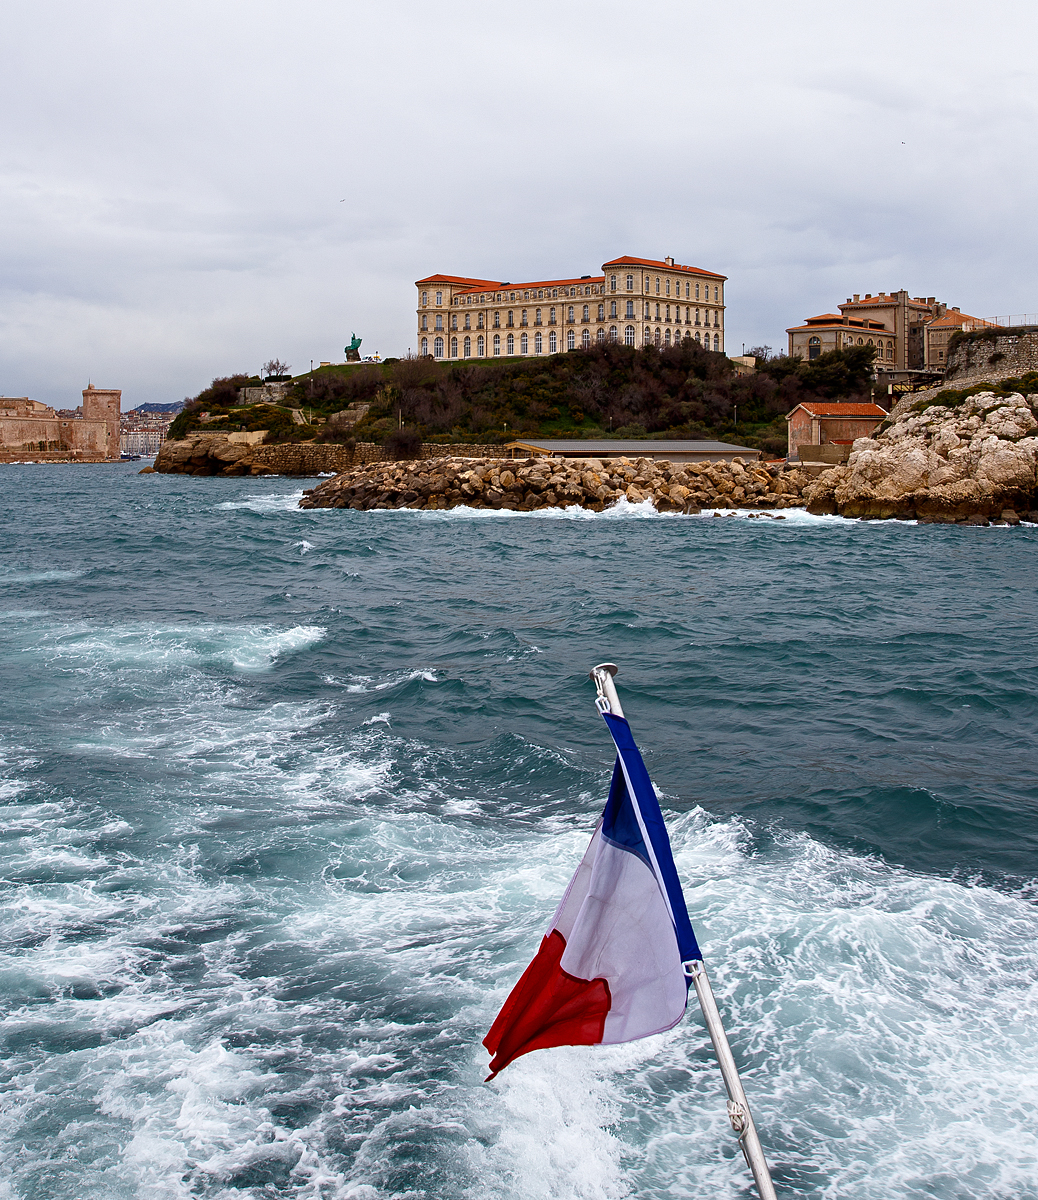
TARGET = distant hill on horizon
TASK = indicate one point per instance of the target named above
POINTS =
(158, 408)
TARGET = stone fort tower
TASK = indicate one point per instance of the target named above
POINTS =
(104, 404)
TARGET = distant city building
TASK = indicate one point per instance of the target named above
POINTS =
(143, 429)
(31, 430)
(637, 301)
(909, 333)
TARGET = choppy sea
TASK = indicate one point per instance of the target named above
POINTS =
(289, 798)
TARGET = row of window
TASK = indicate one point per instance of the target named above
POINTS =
(662, 314)
(662, 287)
(649, 337)
(814, 346)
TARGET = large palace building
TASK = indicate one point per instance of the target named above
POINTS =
(637, 301)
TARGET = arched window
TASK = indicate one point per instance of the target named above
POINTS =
(697, 316)
(717, 320)
(648, 310)
(859, 341)
(479, 346)
(438, 348)
(511, 344)
(425, 299)
(668, 313)
(439, 297)
(870, 342)
(551, 316)
(688, 316)
(553, 342)
(585, 341)
(524, 318)
(630, 283)
(717, 342)
(717, 295)
(814, 347)
(467, 346)
(613, 333)
(630, 309)
(628, 335)
(571, 340)
(425, 321)
(656, 338)
(612, 308)
(468, 320)
(425, 346)
(612, 283)
(657, 311)
(479, 321)
(439, 320)
(668, 287)
(511, 319)
(538, 342)
(570, 317)
(497, 344)
(688, 289)
(657, 285)
(697, 295)
(497, 320)
(666, 337)
(647, 336)
(697, 335)
(890, 350)
(537, 317)
(586, 313)
(648, 283)
(524, 344)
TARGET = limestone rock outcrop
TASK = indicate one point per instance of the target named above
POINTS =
(970, 462)
(527, 484)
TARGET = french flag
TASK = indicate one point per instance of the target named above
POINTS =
(613, 965)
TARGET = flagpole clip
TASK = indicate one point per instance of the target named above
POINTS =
(607, 701)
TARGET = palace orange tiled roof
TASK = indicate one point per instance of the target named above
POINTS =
(539, 283)
(659, 265)
(484, 284)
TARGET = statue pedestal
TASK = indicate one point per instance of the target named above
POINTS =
(353, 356)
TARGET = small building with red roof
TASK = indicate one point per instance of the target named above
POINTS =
(636, 301)
(831, 423)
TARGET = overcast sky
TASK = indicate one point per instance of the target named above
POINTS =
(191, 188)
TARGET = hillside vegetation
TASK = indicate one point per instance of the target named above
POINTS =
(607, 391)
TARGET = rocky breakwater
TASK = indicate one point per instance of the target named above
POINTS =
(524, 485)
(970, 464)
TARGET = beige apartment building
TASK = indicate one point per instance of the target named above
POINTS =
(909, 333)
(637, 301)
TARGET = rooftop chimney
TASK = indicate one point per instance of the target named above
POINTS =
(855, 297)
(669, 260)
(930, 300)
(868, 295)
(956, 310)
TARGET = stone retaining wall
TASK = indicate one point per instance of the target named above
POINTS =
(970, 363)
(203, 453)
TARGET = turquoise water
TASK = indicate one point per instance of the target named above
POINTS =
(289, 798)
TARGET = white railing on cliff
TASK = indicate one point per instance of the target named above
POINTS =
(1013, 319)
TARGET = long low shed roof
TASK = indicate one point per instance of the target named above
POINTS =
(672, 451)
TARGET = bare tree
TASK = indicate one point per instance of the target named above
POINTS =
(761, 352)
(276, 368)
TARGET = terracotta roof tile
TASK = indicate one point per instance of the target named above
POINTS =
(659, 265)
(826, 408)
(539, 283)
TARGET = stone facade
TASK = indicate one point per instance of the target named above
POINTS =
(1014, 354)
(637, 301)
(33, 431)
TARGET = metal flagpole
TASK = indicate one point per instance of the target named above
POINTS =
(738, 1108)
